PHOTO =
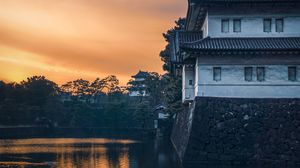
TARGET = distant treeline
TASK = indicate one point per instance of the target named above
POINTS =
(101, 103)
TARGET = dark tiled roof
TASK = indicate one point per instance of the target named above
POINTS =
(189, 36)
(207, 1)
(280, 43)
(141, 74)
(177, 38)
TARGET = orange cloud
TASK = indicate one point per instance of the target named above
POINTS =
(69, 39)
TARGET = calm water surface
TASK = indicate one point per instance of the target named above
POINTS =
(86, 153)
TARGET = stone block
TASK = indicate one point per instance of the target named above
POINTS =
(213, 156)
(227, 157)
(228, 129)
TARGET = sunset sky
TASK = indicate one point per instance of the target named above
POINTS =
(69, 39)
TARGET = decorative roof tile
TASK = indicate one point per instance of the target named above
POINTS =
(177, 38)
(270, 43)
(189, 36)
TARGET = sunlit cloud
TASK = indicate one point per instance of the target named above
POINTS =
(72, 39)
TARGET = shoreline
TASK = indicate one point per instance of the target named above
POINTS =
(17, 132)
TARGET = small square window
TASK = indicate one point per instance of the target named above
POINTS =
(292, 73)
(217, 73)
(191, 82)
(260, 74)
(279, 25)
(267, 25)
(225, 25)
(237, 25)
(248, 73)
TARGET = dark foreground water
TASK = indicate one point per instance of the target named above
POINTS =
(35, 147)
(87, 153)
(31, 147)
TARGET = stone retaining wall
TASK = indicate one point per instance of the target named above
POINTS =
(239, 131)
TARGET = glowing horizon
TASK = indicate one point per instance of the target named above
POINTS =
(71, 39)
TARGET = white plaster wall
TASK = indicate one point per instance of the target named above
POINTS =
(138, 93)
(233, 84)
(205, 26)
(196, 76)
(139, 79)
(188, 92)
(248, 60)
(134, 93)
(251, 91)
(252, 26)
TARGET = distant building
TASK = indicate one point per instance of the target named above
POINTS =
(137, 85)
(244, 49)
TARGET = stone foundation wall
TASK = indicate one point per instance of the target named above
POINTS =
(239, 131)
(181, 132)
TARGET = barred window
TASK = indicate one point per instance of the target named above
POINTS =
(191, 82)
(248, 73)
(267, 25)
(225, 25)
(237, 25)
(260, 73)
(217, 73)
(279, 25)
(292, 73)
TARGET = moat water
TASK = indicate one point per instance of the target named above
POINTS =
(22, 147)
(38, 147)
(87, 153)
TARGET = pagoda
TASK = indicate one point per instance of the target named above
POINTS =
(138, 86)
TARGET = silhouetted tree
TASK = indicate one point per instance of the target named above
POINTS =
(39, 89)
(111, 83)
(38, 101)
(3, 90)
(143, 113)
(79, 87)
(154, 86)
(165, 54)
(172, 94)
(30, 102)
(97, 87)
(172, 85)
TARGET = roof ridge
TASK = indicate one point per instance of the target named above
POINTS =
(253, 43)
(241, 38)
(252, 37)
(197, 41)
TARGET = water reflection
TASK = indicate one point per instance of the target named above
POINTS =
(87, 153)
